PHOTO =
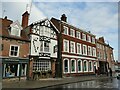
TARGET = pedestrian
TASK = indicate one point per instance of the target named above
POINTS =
(96, 72)
(110, 72)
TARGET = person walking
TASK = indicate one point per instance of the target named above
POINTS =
(110, 72)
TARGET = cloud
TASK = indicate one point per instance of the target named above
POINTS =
(99, 18)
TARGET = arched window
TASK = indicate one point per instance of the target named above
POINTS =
(66, 65)
(90, 66)
(79, 65)
(85, 66)
(73, 65)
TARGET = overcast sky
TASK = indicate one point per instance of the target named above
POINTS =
(101, 18)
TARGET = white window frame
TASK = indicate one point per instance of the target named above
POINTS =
(73, 47)
(38, 67)
(88, 38)
(71, 66)
(64, 45)
(78, 35)
(91, 66)
(17, 52)
(86, 65)
(90, 54)
(64, 30)
(78, 49)
(81, 66)
(84, 36)
(72, 32)
(68, 65)
(85, 49)
(13, 30)
(93, 40)
(94, 51)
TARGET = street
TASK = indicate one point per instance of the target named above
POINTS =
(111, 83)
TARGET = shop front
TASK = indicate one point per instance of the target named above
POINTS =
(14, 67)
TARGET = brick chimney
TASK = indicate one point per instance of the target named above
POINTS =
(64, 18)
(25, 18)
(102, 39)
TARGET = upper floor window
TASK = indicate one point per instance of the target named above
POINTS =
(78, 35)
(72, 32)
(88, 38)
(1, 47)
(84, 50)
(46, 46)
(94, 51)
(98, 46)
(65, 30)
(14, 51)
(89, 51)
(72, 47)
(93, 40)
(83, 36)
(66, 46)
(15, 28)
(78, 48)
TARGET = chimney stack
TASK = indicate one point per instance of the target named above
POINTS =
(102, 39)
(25, 18)
(64, 18)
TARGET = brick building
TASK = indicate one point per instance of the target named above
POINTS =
(14, 49)
(104, 55)
(77, 49)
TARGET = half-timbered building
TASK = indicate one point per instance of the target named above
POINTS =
(43, 48)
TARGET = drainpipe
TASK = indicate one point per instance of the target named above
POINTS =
(58, 65)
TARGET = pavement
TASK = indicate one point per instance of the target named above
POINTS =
(32, 84)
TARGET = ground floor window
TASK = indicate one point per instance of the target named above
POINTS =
(90, 66)
(41, 65)
(10, 70)
(79, 65)
(85, 66)
(73, 65)
(14, 69)
(23, 69)
(66, 66)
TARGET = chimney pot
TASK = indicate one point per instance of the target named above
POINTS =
(64, 18)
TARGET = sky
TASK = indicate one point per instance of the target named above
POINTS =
(101, 17)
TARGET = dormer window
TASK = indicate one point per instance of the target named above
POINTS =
(15, 28)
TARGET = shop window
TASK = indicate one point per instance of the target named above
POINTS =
(11, 70)
(23, 69)
(41, 65)
(14, 50)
